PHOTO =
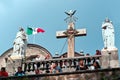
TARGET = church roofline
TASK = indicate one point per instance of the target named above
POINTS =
(6, 51)
(29, 45)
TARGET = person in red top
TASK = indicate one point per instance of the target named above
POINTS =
(3, 72)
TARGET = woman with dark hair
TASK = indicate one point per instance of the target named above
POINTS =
(81, 65)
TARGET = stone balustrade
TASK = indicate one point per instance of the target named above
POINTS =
(66, 64)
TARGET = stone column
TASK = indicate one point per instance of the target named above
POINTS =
(109, 58)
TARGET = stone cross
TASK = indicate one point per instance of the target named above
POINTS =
(70, 33)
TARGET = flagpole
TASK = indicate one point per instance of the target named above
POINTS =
(34, 38)
(33, 34)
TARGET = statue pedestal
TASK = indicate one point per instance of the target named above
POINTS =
(12, 65)
(109, 58)
(14, 61)
(17, 56)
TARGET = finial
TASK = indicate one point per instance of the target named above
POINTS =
(70, 13)
(70, 18)
(107, 19)
(21, 29)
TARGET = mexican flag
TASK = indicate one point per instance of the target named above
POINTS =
(31, 31)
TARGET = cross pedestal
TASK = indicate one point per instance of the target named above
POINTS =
(71, 33)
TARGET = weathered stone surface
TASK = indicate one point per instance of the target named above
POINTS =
(108, 75)
(13, 62)
(91, 76)
(109, 58)
(12, 66)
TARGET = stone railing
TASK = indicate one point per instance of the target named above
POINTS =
(66, 64)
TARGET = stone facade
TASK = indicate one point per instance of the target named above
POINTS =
(12, 64)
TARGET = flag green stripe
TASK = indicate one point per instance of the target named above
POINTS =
(29, 31)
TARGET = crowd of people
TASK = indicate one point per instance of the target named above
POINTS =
(92, 65)
(82, 64)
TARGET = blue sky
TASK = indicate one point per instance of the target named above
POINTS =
(49, 15)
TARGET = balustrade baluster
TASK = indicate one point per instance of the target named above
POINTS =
(47, 67)
(26, 66)
(77, 62)
(58, 62)
(72, 63)
(29, 66)
(33, 66)
(72, 66)
(67, 64)
(63, 63)
(38, 64)
(41, 65)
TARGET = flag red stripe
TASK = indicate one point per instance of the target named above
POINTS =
(40, 30)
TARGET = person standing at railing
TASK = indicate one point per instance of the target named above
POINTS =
(38, 71)
(81, 65)
(55, 68)
(88, 60)
(3, 72)
(20, 72)
(52, 68)
(98, 52)
(58, 68)
(95, 66)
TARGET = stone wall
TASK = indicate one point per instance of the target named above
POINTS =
(102, 74)
(108, 74)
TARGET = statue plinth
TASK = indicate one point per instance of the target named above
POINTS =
(109, 58)
(12, 64)
(16, 57)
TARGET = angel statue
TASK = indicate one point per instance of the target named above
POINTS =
(20, 44)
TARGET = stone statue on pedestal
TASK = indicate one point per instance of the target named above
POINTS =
(108, 34)
(20, 44)
(109, 53)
